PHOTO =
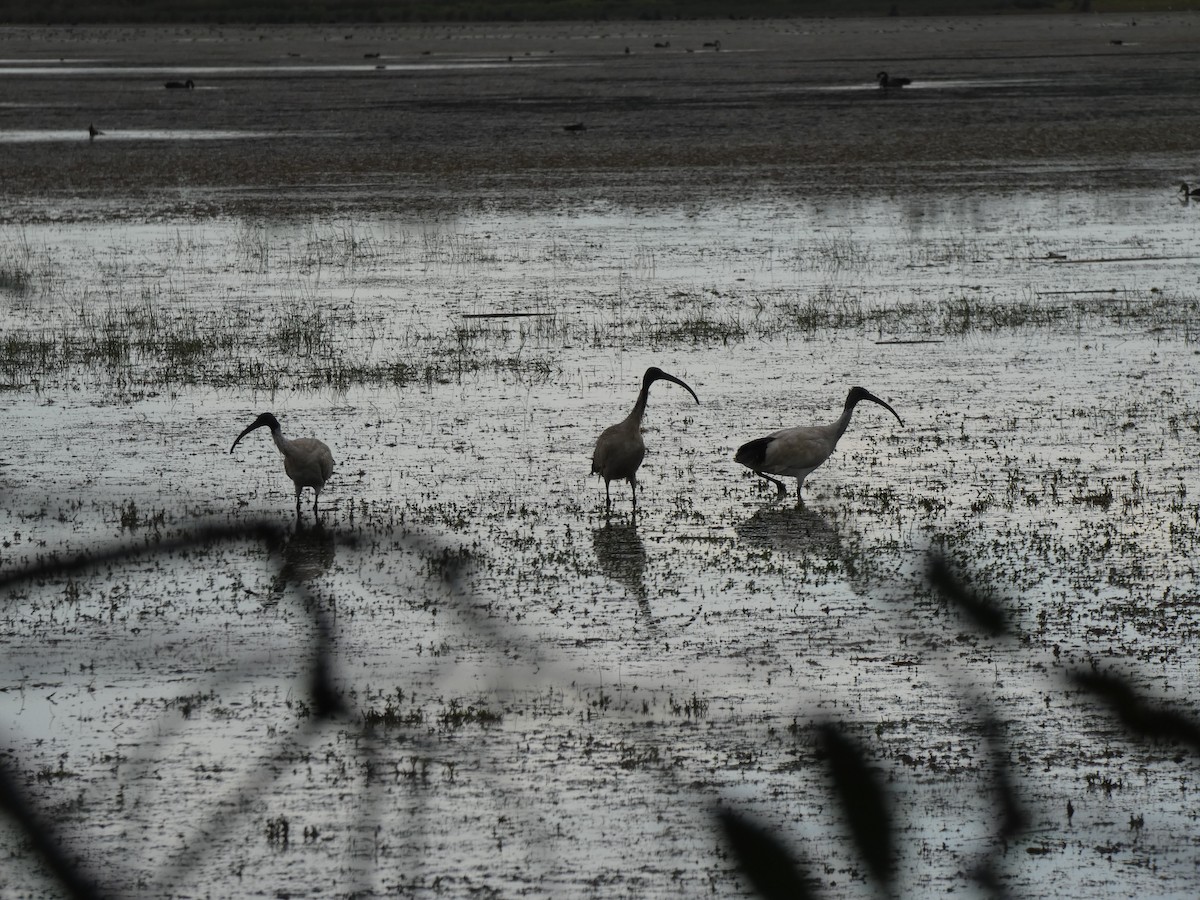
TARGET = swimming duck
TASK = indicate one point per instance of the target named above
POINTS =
(885, 82)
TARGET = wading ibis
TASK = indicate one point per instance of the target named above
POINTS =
(885, 82)
(795, 452)
(620, 449)
(306, 461)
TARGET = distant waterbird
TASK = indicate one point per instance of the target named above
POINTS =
(620, 448)
(307, 461)
(575, 126)
(93, 131)
(180, 85)
(1187, 190)
(796, 452)
(886, 82)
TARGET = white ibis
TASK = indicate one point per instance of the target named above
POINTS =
(885, 82)
(795, 452)
(306, 461)
(620, 449)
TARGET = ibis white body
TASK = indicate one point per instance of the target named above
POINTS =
(307, 461)
(796, 452)
(620, 449)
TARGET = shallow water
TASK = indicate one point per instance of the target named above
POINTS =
(699, 644)
(34, 137)
(561, 718)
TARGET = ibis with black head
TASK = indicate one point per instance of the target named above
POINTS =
(620, 449)
(307, 461)
(795, 452)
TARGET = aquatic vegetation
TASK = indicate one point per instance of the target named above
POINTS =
(464, 664)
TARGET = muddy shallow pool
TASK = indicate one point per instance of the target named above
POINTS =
(524, 695)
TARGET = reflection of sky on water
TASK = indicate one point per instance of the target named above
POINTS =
(924, 84)
(136, 134)
(881, 250)
(203, 71)
(23, 64)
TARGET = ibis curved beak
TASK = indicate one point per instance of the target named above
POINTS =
(249, 428)
(663, 376)
(867, 395)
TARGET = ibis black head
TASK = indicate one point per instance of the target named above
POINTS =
(265, 420)
(857, 393)
(654, 373)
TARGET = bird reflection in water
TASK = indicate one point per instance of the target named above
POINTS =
(622, 557)
(828, 545)
(797, 530)
(307, 555)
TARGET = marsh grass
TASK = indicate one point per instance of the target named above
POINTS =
(977, 311)
(459, 715)
(307, 341)
(252, 247)
(328, 304)
(27, 272)
(832, 255)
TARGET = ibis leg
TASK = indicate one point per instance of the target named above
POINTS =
(775, 481)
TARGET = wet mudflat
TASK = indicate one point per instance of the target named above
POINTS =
(539, 699)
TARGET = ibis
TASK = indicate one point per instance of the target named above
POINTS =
(620, 448)
(795, 452)
(1188, 191)
(180, 85)
(93, 131)
(306, 461)
(885, 82)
